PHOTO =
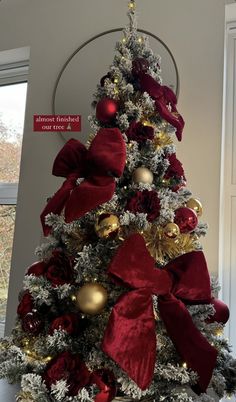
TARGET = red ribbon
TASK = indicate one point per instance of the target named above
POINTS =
(104, 160)
(165, 102)
(130, 336)
(105, 381)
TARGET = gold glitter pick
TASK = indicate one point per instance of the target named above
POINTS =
(24, 397)
(161, 140)
(161, 247)
(75, 241)
(5, 344)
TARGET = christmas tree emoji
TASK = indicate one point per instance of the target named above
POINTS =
(119, 304)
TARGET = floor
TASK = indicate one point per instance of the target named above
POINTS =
(7, 391)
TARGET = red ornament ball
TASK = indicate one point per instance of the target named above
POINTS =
(106, 110)
(222, 312)
(139, 66)
(186, 219)
(32, 323)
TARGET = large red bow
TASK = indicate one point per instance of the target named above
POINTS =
(165, 102)
(104, 160)
(130, 336)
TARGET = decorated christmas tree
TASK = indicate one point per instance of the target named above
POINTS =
(120, 302)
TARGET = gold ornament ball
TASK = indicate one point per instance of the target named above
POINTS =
(142, 175)
(91, 298)
(107, 225)
(171, 230)
(196, 205)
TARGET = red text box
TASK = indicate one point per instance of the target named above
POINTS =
(57, 122)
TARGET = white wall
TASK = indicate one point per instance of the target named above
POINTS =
(193, 30)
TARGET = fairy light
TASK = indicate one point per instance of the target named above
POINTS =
(219, 332)
(48, 359)
(132, 5)
(140, 39)
(184, 365)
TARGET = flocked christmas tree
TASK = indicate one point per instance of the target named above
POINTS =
(120, 302)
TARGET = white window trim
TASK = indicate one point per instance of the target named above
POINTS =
(13, 73)
(8, 193)
(227, 188)
(10, 74)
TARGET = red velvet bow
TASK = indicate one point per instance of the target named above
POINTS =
(104, 160)
(164, 98)
(130, 336)
(105, 381)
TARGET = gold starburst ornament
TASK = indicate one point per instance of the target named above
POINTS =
(162, 140)
(163, 248)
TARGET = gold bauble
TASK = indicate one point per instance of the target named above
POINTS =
(142, 175)
(91, 298)
(196, 205)
(171, 230)
(107, 225)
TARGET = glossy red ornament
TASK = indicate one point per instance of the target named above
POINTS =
(186, 219)
(222, 312)
(32, 323)
(106, 110)
(139, 66)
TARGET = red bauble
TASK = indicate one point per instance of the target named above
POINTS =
(32, 323)
(106, 110)
(139, 66)
(222, 312)
(186, 219)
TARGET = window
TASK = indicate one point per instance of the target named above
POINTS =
(13, 87)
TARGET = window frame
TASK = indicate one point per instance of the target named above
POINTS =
(14, 73)
(8, 193)
(11, 74)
